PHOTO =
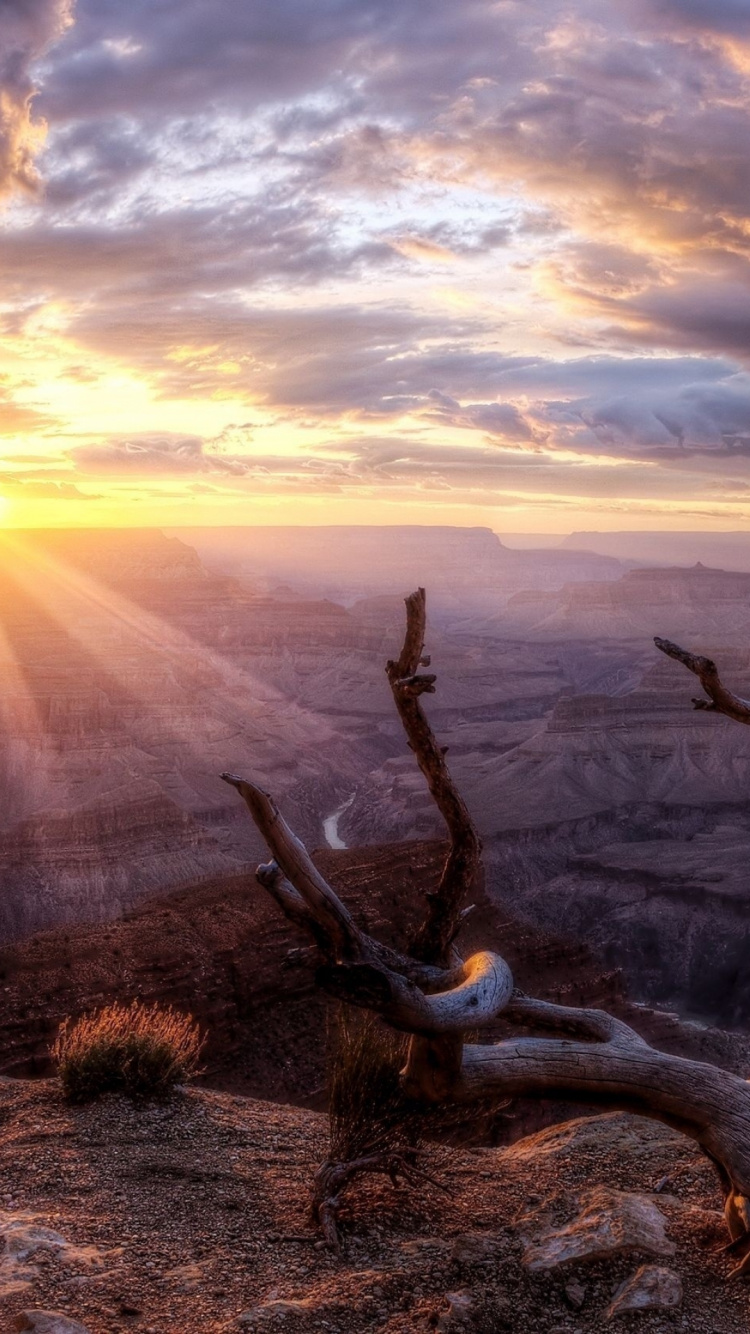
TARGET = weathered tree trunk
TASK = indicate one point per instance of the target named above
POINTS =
(436, 998)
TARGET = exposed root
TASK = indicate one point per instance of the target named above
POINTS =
(332, 1179)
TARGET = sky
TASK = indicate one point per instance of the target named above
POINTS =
(375, 261)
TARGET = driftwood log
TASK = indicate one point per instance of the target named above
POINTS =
(436, 998)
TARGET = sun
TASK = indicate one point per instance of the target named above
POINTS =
(4, 508)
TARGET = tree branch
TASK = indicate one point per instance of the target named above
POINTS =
(443, 919)
(720, 700)
(304, 895)
(481, 990)
(333, 920)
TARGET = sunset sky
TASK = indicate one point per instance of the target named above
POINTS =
(383, 261)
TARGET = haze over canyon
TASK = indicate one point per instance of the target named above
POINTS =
(137, 665)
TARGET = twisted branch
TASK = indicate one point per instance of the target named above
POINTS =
(720, 700)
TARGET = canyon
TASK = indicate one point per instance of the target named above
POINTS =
(135, 667)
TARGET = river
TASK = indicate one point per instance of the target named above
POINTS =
(331, 825)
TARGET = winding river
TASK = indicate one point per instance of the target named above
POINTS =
(331, 825)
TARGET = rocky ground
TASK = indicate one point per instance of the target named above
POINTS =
(190, 1217)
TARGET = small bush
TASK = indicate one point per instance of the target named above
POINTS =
(141, 1050)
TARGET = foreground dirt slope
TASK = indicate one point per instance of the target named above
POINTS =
(190, 1218)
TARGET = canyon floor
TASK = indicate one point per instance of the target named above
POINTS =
(190, 1217)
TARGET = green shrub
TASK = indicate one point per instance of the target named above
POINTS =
(141, 1050)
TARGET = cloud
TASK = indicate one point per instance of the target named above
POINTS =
(518, 232)
(500, 420)
(679, 419)
(27, 28)
(18, 419)
(159, 455)
(9, 484)
(725, 16)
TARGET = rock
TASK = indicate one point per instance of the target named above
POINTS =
(277, 1308)
(652, 1287)
(610, 1222)
(575, 1294)
(420, 1247)
(475, 1248)
(23, 1239)
(566, 1141)
(48, 1322)
(458, 1314)
(187, 1277)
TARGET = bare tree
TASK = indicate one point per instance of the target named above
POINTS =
(436, 998)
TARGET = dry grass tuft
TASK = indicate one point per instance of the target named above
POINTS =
(368, 1110)
(141, 1050)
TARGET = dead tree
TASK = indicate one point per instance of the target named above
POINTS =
(436, 998)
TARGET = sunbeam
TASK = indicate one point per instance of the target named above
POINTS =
(149, 661)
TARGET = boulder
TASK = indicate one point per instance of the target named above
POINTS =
(459, 1312)
(47, 1322)
(652, 1287)
(475, 1248)
(575, 1294)
(610, 1222)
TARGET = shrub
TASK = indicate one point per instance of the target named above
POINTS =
(141, 1050)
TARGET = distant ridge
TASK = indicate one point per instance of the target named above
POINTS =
(728, 551)
(355, 560)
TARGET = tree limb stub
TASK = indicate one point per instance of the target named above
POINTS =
(720, 700)
(442, 921)
(296, 864)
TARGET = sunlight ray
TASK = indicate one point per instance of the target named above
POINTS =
(27, 758)
(149, 659)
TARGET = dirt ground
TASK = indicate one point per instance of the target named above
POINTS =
(191, 1217)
